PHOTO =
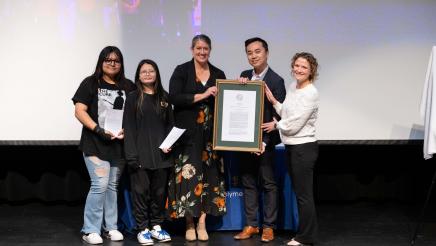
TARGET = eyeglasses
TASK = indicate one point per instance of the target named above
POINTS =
(148, 72)
(110, 61)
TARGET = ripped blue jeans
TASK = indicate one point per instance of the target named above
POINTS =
(101, 211)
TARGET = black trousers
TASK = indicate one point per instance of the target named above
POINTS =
(301, 160)
(257, 176)
(149, 192)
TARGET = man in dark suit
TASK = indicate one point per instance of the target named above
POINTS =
(257, 170)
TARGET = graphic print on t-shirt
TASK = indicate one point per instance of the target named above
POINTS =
(109, 99)
(119, 101)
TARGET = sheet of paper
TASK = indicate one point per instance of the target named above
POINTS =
(238, 115)
(114, 121)
(172, 137)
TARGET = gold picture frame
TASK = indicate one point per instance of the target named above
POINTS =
(238, 116)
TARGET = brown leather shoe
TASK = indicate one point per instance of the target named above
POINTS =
(247, 232)
(267, 235)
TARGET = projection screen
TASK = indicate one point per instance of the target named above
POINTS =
(373, 56)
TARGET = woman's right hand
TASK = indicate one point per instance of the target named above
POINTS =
(166, 150)
(211, 91)
(103, 134)
(270, 96)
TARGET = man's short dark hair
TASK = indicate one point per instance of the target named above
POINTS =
(256, 39)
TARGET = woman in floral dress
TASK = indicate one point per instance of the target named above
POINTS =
(197, 185)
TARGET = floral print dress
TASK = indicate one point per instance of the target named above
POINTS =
(197, 183)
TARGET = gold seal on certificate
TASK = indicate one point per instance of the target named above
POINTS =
(238, 116)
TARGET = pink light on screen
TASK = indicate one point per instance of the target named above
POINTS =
(130, 6)
(196, 17)
(196, 13)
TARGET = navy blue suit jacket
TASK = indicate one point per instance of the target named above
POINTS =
(277, 86)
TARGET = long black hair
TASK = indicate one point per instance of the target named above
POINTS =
(98, 73)
(161, 96)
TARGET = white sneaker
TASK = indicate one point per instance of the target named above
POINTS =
(115, 235)
(144, 237)
(160, 234)
(92, 238)
(294, 243)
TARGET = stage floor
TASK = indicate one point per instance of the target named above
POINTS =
(350, 224)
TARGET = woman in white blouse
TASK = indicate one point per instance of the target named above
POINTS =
(298, 115)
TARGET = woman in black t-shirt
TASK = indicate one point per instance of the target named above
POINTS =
(148, 118)
(99, 103)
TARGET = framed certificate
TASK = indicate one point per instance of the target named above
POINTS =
(238, 116)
